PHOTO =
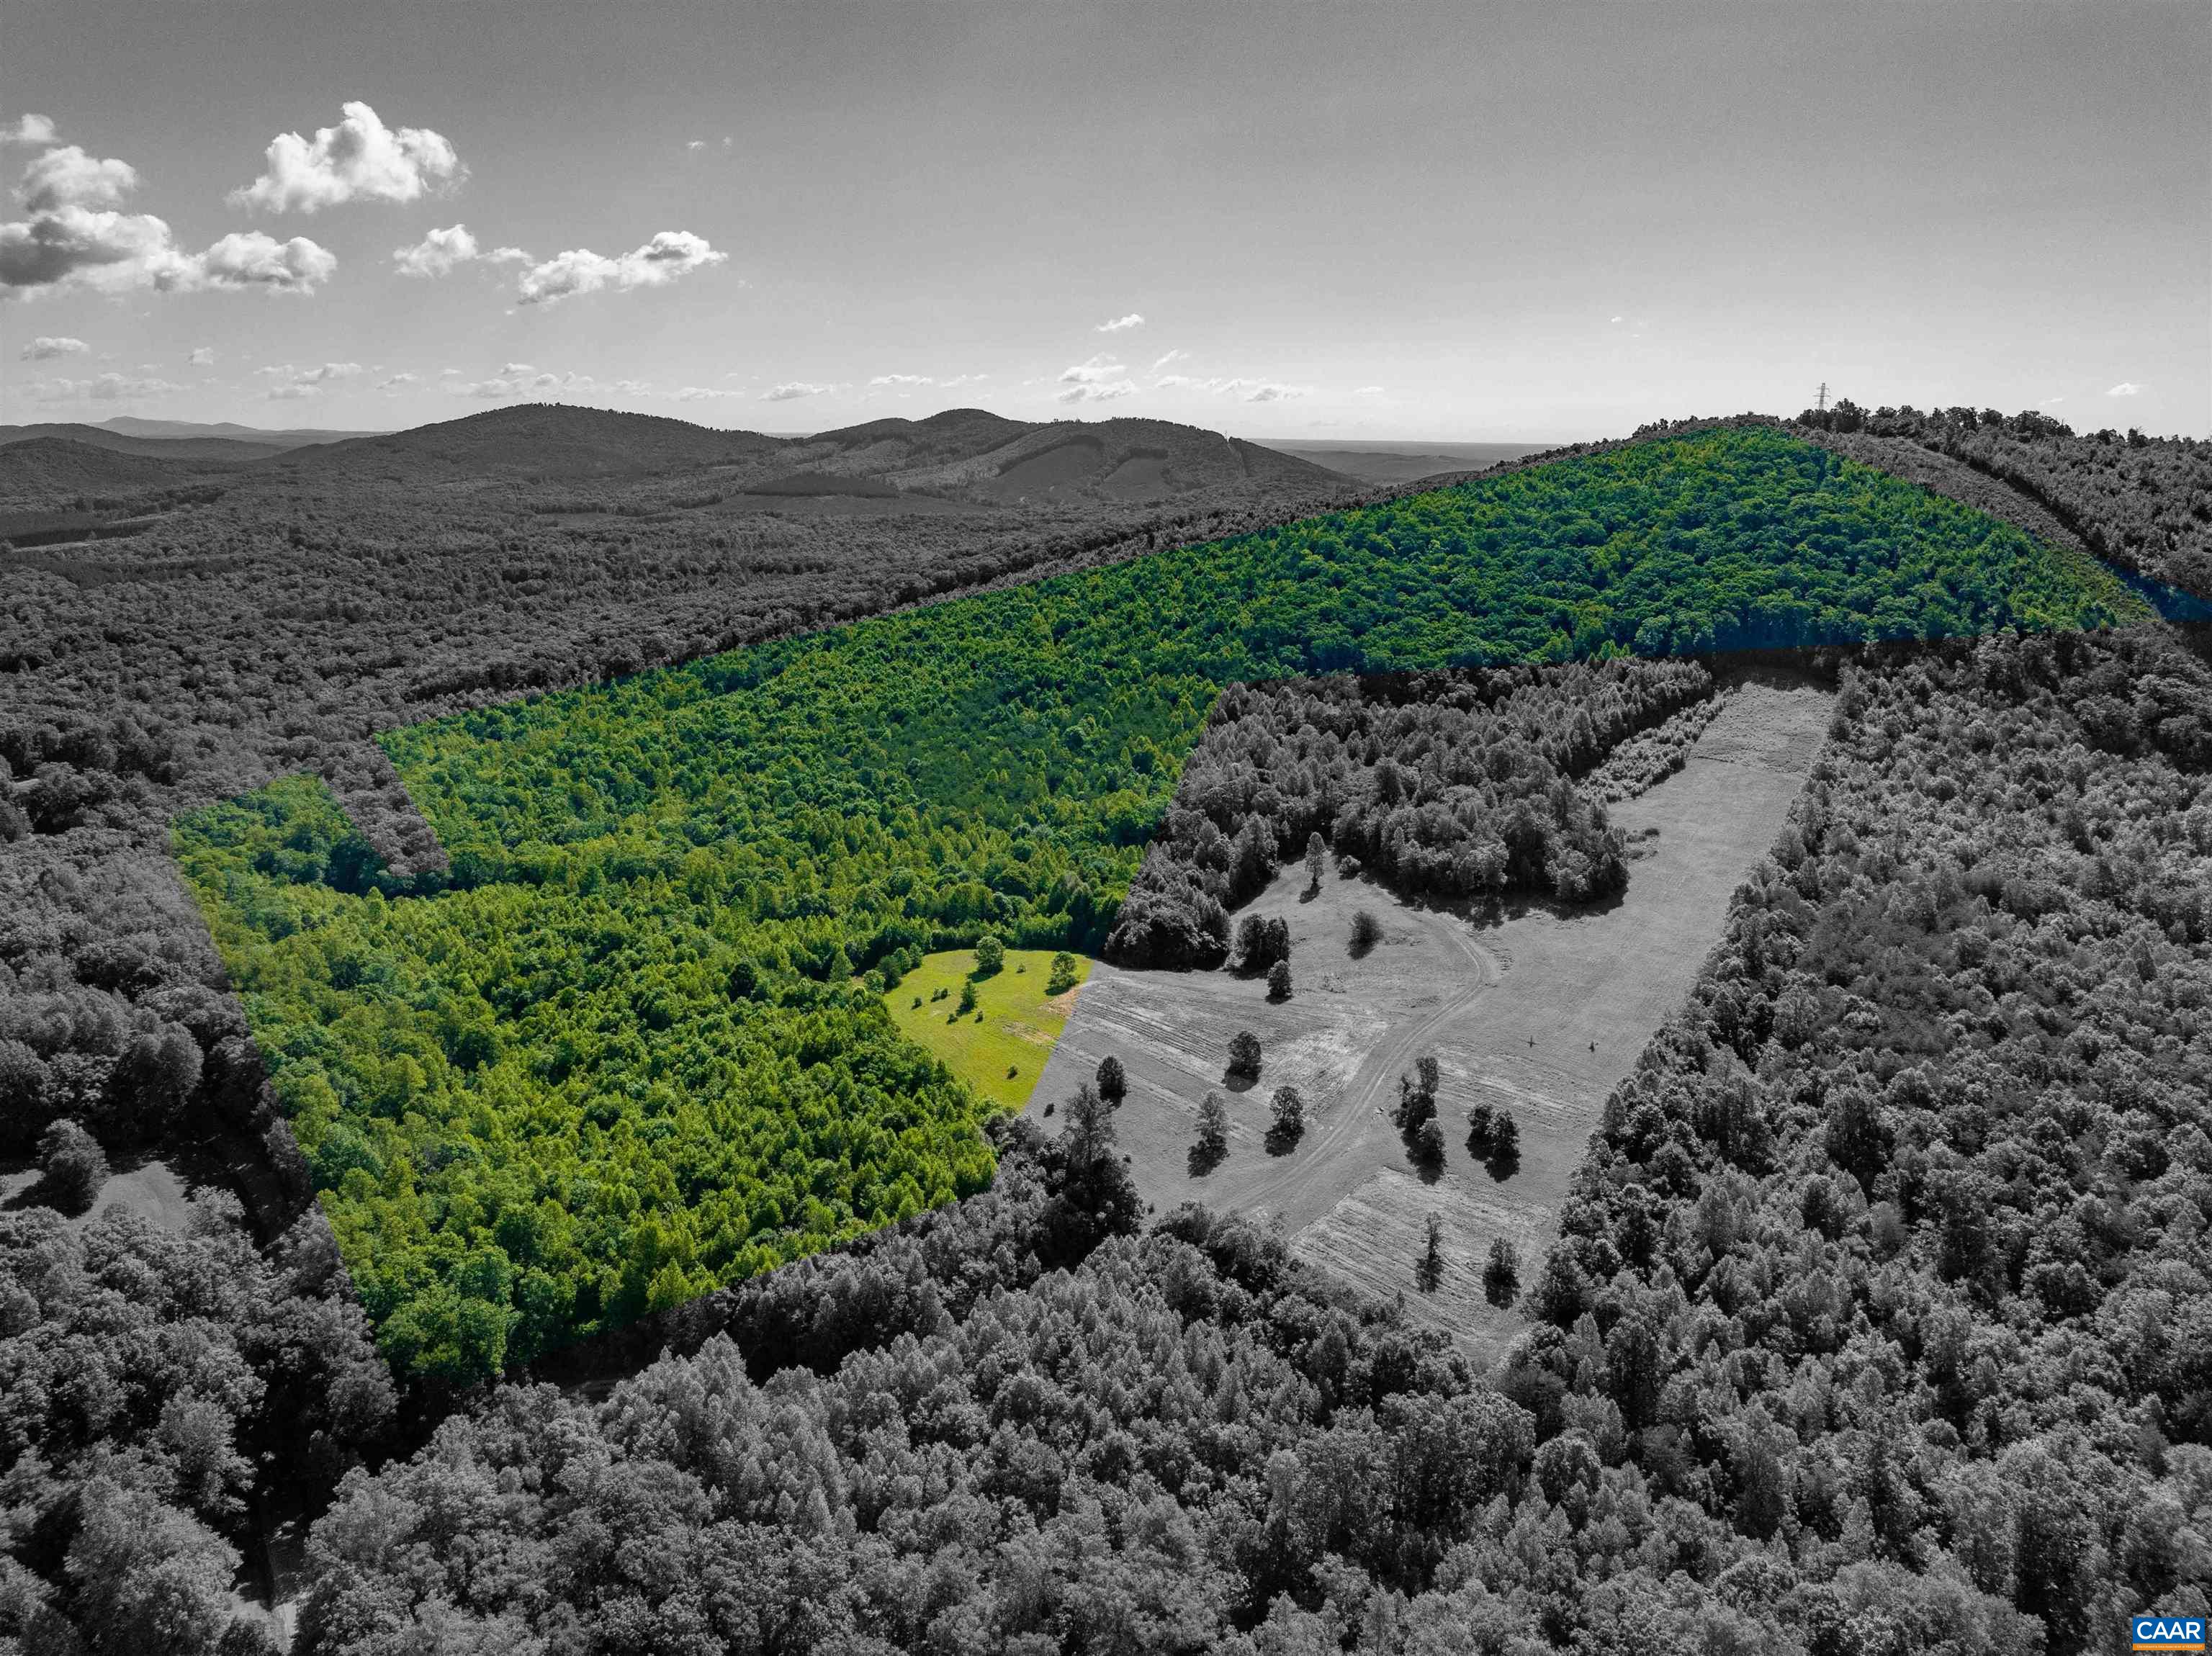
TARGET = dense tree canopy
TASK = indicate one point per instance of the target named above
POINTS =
(1878, 1322)
(616, 1056)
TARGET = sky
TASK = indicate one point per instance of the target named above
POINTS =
(1297, 221)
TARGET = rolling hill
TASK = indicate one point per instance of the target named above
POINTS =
(963, 454)
(232, 450)
(47, 471)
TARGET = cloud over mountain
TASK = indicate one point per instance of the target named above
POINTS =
(669, 254)
(1100, 380)
(360, 158)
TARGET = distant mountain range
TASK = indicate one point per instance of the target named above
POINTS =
(961, 455)
(175, 440)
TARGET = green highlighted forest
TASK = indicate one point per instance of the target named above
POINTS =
(635, 1044)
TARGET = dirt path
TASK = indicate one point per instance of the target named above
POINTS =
(1541, 1014)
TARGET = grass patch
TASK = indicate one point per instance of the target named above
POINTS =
(999, 1048)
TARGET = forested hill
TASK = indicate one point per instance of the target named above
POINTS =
(1880, 1324)
(631, 1000)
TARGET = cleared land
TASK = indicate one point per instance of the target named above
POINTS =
(1540, 1013)
(999, 1048)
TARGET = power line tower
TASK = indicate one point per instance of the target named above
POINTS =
(1823, 403)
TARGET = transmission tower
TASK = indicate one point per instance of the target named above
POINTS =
(1823, 403)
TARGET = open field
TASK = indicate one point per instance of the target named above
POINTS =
(1000, 1047)
(1540, 1013)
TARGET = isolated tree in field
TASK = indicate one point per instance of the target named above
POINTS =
(1113, 1081)
(1428, 1143)
(1430, 1271)
(74, 1164)
(1417, 1096)
(1213, 1141)
(1244, 1056)
(1501, 1274)
(1290, 1122)
(1061, 977)
(1504, 1158)
(1315, 852)
(990, 955)
(1480, 1122)
(1366, 932)
(1278, 981)
(967, 997)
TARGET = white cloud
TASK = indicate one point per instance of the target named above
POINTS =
(1100, 380)
(632, 387)
(692, 393)
(1169, 359)
(436, 253)
(248, 259)
(76, 235)
(203, 356)
(520, 379)
(2125, 388)
(902, 380)
(102, 388)
(1250, 390)
(30, 129)
(46, 346)
(291, 383)
(396, 381)
(1120, 323)
(1367, 390)
(967, 379)
(360, 158)
(1617, 318)
(669, 254)
(66, 177)
(790, 389)
(696, 143)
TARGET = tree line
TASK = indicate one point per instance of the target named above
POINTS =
(1448, 785)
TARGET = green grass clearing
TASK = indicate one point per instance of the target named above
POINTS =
(1000, 1047)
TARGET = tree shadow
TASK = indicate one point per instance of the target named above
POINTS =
(1281, 1141)
(1503, 1164)
(1236, 1082)
(1205, 1158)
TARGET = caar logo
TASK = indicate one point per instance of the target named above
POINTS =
(2176, 1632)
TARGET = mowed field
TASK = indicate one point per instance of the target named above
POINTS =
(1539, 1013)
(999, 1048)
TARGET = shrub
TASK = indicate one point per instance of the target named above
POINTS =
(1061, 977)
(1366, 932)
(1113, 1081)
(990, 955)
(75, 1166)
(1290, 1122)
(1278, 981)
